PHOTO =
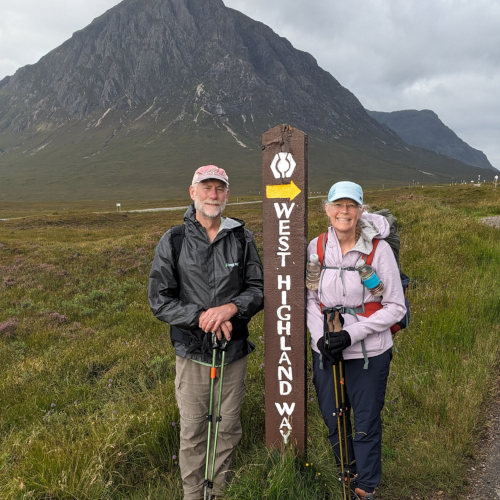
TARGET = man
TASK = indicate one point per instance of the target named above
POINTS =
(207, 277)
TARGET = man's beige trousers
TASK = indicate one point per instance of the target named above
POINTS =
(192, 391)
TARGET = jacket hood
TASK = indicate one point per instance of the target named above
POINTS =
(379, 223)
(372, 226)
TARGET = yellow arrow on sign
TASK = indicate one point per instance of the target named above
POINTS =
(282, 191)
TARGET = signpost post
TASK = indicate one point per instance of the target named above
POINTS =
(284, 176)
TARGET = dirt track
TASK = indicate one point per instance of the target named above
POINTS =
(485, 473)
(492, 221)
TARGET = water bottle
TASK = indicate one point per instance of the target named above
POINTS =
(313, 272)
(369, 278)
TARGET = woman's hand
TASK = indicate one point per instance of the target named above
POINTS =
(334, 344)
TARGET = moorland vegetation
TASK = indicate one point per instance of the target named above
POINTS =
(87, 386)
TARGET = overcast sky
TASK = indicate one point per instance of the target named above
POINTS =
(442, 55)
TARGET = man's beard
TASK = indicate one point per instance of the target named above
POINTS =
(211, 210)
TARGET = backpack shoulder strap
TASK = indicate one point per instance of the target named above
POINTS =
(239, 232)
(177, 237)
(320, 247)
(369, 257)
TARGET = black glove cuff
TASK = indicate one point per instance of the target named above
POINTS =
(337, 341)
(346, 338)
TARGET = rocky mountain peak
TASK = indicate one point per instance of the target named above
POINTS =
(425, 129)
(188, 60)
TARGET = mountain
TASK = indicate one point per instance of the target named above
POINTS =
(424, 129)
(130, 105)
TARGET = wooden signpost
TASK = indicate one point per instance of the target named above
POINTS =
(284, 176)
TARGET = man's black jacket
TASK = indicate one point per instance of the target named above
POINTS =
(206, 275)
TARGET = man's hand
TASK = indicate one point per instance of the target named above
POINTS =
(216, 319)
(224, 331)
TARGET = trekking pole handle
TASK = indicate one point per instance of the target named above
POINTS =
(333, 322)
(215, 342)
(337, 324)
(222, 343)
(334, 319)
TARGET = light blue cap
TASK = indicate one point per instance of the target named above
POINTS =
(346, 189)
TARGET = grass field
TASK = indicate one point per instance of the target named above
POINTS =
(88, 408)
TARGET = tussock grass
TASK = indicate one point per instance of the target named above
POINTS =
(88, 407)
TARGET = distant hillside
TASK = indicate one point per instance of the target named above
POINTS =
(132, 103)
(424, 129)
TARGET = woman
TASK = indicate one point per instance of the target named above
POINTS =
(364, 342)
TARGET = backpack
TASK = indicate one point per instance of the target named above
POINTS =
(394, 242)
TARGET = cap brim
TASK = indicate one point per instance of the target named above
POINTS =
(339, 196)
(213, 177)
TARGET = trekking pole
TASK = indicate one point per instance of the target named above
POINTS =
(207, 483)
(335, 325)
(222, 348)
(343, 406)
(344, 417)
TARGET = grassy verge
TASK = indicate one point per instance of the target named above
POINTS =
(88, 408)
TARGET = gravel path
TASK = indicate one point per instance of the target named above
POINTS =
(492, 221)
(485, 473)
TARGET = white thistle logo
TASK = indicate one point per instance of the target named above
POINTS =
(283, 165)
